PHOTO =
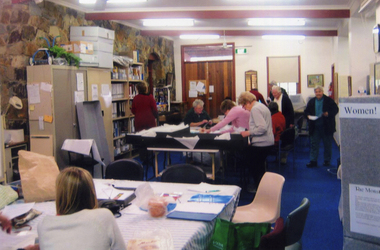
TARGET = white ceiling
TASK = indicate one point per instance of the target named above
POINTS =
(216, 16)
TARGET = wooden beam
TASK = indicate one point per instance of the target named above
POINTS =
(219, 14)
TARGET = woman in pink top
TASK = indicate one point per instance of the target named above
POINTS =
(235, 114)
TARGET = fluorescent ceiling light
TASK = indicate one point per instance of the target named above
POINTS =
(276, 22)
(196, 37)
(87, 1)
(110, 1)
(283, 37)
(125, 1)
(169, 22)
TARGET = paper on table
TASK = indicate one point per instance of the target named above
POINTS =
(189, 142)
(203, 188)
(16, 241)
(106, 192)
(225, 136)
(313, 117)
(193, 207)
(12, 211)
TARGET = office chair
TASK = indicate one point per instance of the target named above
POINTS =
(287, 235)
(183, 173)
(125, 169)
(285, 145)
(302, 128)
(266, 205)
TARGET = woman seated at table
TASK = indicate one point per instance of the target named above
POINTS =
(238, 116)
(79, 223)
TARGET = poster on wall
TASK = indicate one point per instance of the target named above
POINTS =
(364, 207)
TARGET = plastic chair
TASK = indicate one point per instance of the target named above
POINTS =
(125, 169)
(266, 205)
(287, 236)
(183, 173)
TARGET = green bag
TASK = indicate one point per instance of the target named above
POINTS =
(239, 236)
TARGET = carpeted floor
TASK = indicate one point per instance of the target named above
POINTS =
(323, 229)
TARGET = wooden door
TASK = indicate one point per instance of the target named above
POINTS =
(219, 74)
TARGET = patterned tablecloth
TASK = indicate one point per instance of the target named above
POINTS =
(185, 234)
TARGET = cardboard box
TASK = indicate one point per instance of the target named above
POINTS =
(67, 47)
(92, 31)
(82, 47)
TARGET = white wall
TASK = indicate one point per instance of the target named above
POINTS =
(316, 58)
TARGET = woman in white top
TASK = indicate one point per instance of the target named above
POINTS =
(79, 223)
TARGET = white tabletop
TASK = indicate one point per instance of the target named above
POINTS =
(185, 234)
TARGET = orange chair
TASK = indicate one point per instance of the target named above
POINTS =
(266, 205)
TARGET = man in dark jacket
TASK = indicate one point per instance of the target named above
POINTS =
(320, 112)
(284, 105)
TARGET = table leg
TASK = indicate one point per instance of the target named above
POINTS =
(213, 165)
(156, 162)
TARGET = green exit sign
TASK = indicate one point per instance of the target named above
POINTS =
(241, 51)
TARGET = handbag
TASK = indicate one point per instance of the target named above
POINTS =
(237, 236)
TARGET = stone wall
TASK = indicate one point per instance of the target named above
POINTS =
(22, 25)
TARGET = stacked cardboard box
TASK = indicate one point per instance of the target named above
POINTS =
(102, 41)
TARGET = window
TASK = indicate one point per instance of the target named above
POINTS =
(290, 87)
(285, 70)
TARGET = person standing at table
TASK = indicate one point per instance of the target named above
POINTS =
(236, 115)
(284, 105)
(324, 109)
(271, 85)
(144, 108)
(259, 96)
(278, 122)
(197, 116)
(79, 223)
(261, 135)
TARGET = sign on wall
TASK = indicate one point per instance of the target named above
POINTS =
(359, 110)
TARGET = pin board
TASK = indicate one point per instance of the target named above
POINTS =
(40, 100)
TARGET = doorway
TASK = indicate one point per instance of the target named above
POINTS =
(212, 65)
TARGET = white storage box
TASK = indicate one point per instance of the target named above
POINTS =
(13, 135)
(91, 31)
(92, 39)
(98, 59)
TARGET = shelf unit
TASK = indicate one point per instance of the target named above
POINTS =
(123, 80)
(11, 160)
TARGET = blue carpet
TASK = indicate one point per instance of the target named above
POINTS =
(323, 229)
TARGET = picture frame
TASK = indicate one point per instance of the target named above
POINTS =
(250, 80)
(315, 80)
(169, 79)
(349, 81)
(376, 82)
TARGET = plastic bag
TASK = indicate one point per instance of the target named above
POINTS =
(239, 236)
(151, 239)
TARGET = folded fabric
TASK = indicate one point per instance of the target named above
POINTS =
(189, 142)
(225, 136)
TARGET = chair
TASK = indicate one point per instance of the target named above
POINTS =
(183, 173)
(266, 205)
(125, 169)
(287, 236)
(302, 127)
(285, 145)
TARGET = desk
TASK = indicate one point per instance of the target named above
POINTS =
(186, 234)
(212, 153)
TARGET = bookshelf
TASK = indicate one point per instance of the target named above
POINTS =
(124, 79)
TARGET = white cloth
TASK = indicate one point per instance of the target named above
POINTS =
(83, 147)
(86, 229)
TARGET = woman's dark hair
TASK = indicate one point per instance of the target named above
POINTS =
(273, 107)
(142, 87)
